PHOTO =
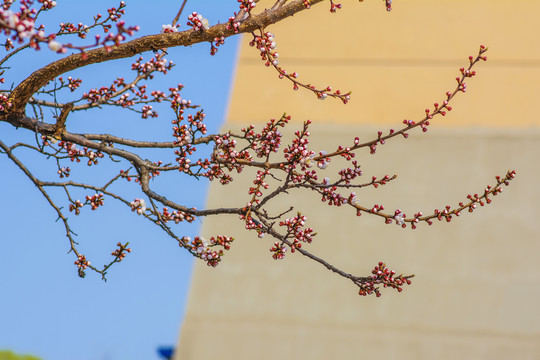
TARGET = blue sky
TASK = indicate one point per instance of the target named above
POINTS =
(45, 308)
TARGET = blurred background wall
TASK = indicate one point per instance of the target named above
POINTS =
(477, 281)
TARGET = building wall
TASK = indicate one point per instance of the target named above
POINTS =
(476, 288)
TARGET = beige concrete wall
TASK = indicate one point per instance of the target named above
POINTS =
(478, 278)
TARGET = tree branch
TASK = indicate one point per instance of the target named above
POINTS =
(24, 91)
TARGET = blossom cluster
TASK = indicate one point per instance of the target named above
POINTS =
(20, 25)
(278, 250)
(225, 156)
(75, 154)
(353, 199)
(121, 252)
(234, 25)
(100, 95)
(177, 102)
(298, 154)
(138, 205)
(69, 28)
(349, 174)
(121, 91)
(176, 216)
(133, 95)
(168, 28)
(81, 262)
(94, 201)
(107, 42)
(157, 63)
(198, 22)
(147, 111)
(76, 206)
(82, 30)
(330, 194)
(399, 217)
(266, 45)
(334, 7)
(117, 38)
(250, 222)
(47, 4)
(184, 134)
(269, 139)
(259, 183)
(296, 231)
(64, 172)
(218, 41)
(382, 275)
(114, 14)
(245, 11)
(202, 248)
(72, 84)
(125, 174)
(5, 101)
(247, 5)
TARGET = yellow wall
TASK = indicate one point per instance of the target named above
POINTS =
(398, 63)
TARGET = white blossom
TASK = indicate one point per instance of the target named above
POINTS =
(308, 161)
(354, 199)
(142, 207)
(204, 242)
(205, 23)
(55, 45)
(168, 28)
(12, 18)
(324, 163)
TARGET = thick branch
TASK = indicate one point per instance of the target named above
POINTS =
(44, 128)
(24, 91)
